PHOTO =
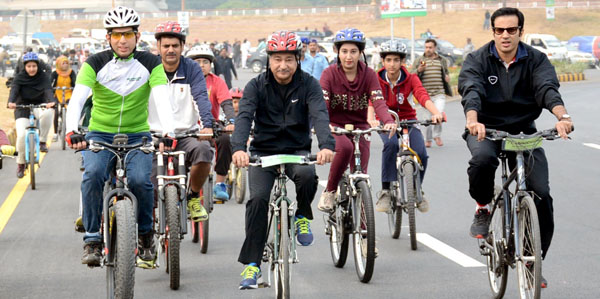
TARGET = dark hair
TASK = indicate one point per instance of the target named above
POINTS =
(401, 55)
(508, 11)
(431, 40)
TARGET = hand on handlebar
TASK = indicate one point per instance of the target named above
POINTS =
(437, 118)
(324, 156)
(476, 129)
(205, 131)
(76, 141)
(564, 127)
(240, 159)
(391, 127)
(50, 105)
(12, 105)
(167, 144)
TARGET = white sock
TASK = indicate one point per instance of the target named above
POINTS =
(485, 207)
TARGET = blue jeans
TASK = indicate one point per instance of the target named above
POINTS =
(97, 170)
(389, 171)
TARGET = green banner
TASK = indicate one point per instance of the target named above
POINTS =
(408, 13)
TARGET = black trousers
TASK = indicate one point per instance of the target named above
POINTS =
(224, 154)
(261, 182)
(482, 169)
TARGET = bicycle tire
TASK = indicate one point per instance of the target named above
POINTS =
(124, 249)
(195, 232)
(204, 226)
(496, 265)
(31, 154)
(529, 273)
(283, 286)
(240, 184)
(173, 239)
(411, 202)
(395, 216)
(339, 237)
(365, 224)
(63, 128)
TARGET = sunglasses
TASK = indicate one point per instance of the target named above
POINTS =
(510, 30)
(118, 35)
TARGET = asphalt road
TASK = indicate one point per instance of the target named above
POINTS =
(40, 252)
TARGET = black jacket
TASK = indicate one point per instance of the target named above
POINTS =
(510, 100)
(282, 125)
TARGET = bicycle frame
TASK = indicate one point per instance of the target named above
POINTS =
(32, 129)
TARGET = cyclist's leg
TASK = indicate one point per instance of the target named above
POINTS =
(418, 145)
(45, 116)
(199, 155)
(440, 103)
(21, 124)
(389, 172)
(343, 156)
(139, 171)
(222, 165)
(365, 151)
(482, 168)
(306, 181)
(92, 184)
(257, 208)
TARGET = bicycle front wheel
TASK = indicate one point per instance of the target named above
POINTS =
(203, 226)
(32, 150)
(529, 265)
(172, 232)
(395, 216)
(283, 263)
(63, 127)
(495, 254)
(121, 261)
(410, 196)
(338, 235)
(364, 233)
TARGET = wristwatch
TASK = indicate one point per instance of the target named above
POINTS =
(565, 116)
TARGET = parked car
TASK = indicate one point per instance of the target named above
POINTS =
(13, 57)
(547, 44)
(318, 35)
(574, 55)
(257, 60)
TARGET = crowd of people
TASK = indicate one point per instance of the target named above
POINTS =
(298, 92)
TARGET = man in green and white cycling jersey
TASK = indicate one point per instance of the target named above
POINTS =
(121, 80)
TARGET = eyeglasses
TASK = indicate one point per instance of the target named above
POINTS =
(510, 30)
(118, 35)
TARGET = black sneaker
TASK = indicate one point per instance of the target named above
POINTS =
(43, 147)
(146, 251)
(20, 170)
(481, 224)
(92, 254)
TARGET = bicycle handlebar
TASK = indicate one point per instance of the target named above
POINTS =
(497, 135)
(32, 106)
(144, 146)
(62, 88)
(342, 131)
(408, 122)
(308, 160)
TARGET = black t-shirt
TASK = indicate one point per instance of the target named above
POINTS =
(282, 90)
(170, 75)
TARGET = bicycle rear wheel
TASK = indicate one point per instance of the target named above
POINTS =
(529, 266)
(239, 184)
(283, 264)
(364, 233)
(338, 235)
(32, 150)
(410, 195)
(395, 215)
(173, 239)
(63, 127)
(121, 260)
(206, 202)
(496, 263)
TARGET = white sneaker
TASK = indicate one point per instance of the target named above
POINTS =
(363, 247)
(384, 202)
(326, 201)
(423, 206)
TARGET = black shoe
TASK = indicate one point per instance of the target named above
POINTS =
(92, 254)
(20, 170)
(43, 147)
(481, 224)
(146, 251)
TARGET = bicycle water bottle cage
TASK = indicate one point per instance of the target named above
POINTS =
(120, 139)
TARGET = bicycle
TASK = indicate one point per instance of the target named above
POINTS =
(280, 249)
(353, 214)
(7, 151)
(62, 116)
(119, 225)
(32, 142)
(406, 192)
(237, 179)
(172, 207)
(514, 232)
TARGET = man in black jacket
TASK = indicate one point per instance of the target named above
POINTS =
(282, 102)
(505, 85)
(226, 67)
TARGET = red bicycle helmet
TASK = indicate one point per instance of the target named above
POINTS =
(236, 92)
(169, 28)
(284, 41)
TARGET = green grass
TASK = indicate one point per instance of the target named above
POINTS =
(564, 67)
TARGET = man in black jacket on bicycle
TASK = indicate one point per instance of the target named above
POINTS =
(505, 85)
(282, 102)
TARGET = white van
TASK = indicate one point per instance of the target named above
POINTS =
(547, 44)
(80, 43)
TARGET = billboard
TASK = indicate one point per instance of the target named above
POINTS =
(403, 8)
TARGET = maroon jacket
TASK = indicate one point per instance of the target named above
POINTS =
(398, 98)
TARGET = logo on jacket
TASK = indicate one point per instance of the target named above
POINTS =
(493, 79)
(400, 98)
(294, 101)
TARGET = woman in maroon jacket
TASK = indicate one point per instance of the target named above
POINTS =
(348, 87)
(397, 84)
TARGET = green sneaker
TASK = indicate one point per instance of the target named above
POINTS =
(251, 275)
(79, 225)
(197, 211)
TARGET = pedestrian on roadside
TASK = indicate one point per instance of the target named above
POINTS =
(237, 53)
(226, 67)
(319, 62)
(469, 47)
(245, 48)
(432, 69)
(486, 20)
(3, 59)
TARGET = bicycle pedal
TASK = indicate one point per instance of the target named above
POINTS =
(264, 285)
(218, 201)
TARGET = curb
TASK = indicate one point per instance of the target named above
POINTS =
(571, 77)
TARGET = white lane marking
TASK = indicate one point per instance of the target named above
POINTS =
(323, 183)
(447, 251)
(592, 145)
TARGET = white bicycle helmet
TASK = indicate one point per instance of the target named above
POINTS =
(201, 51)
(121, 16)
(393, 46)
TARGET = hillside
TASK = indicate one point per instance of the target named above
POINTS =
(453, 26)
